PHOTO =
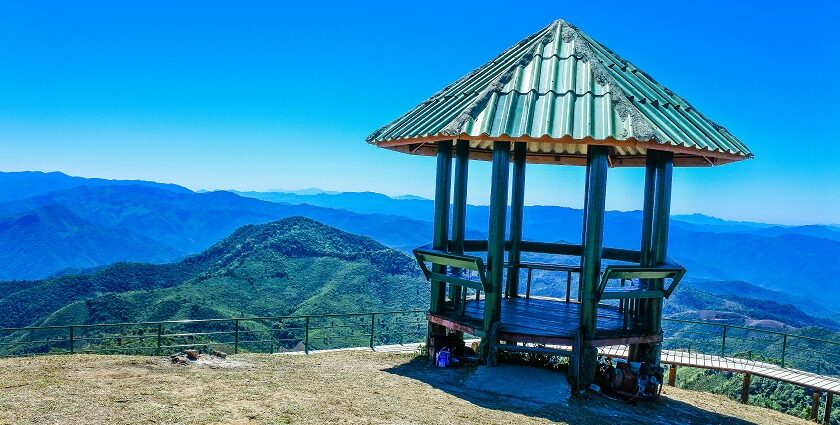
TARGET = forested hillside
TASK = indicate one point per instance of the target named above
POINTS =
(292, 266)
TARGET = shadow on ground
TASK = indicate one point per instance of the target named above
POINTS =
(530, 396)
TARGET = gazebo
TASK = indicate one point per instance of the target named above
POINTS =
(557, 97)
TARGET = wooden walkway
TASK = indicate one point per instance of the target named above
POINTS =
(731, 364)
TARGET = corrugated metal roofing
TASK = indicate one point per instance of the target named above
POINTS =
(560, 90)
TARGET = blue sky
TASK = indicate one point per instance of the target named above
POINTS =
(270, 95)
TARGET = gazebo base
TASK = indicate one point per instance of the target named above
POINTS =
(548, 321)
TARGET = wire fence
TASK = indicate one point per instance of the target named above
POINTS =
(234, 335)
(331, 331)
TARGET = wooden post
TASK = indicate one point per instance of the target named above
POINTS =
(441, 219)
(815, 405)
(441, 236)
(517, 211)
(496, 244)
(652, 318)
(672, 375)
(459, 206)
(594, 206)
(652, 156)
(745, 389)
(829, 399)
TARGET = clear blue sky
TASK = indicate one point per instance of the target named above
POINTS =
(272, 95)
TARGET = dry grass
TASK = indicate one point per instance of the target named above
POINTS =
(341, 387)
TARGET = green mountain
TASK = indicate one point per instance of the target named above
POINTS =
(292, 266)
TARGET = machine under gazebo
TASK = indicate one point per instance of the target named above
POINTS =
(557, 97)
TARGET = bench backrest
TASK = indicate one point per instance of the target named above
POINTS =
(673, 272)
(449, 265)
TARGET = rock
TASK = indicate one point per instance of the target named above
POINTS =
(192, 354)
(219, 354)
(178, 359)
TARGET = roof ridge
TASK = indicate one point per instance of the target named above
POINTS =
(683, 103)
(641, 126)
(372, 137)
(545, 36)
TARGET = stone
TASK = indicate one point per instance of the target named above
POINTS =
(192, 354)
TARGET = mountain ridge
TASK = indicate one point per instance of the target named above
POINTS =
(293, 265)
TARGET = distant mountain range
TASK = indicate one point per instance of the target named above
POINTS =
(288, 267)
(26, 184)
(798, 261)
(146, 221)
(87, 226)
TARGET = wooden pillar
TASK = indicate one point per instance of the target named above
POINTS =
(672, 375)
(652, 318)
(652, 156)
(594, 206)
(517, 212)
(815, 405)
(496, 243)
(647, 211)
(441, 219)
(745, 389)
(829, 399)
(459, 206)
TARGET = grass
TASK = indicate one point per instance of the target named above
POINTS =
(355, 387)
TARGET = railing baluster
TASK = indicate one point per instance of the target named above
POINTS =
(372, 328)
(306, 335)
(159, 332)
(72, 341)
(723, 342)
(784, 349)
(236, 338)
(528, 284)
(568, 285)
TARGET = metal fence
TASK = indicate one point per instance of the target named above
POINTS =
(330, 331)
(234, 335)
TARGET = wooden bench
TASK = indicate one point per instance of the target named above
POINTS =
(450, 268)
(635, 292)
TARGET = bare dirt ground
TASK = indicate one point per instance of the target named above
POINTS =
(354, 387)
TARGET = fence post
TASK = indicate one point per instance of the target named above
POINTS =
(159, 333)
(784, 349)
(745, 389)
(372, 328)
(815, 405)
(306, 335)
(236, 338)
(72, 341)
(723, 343)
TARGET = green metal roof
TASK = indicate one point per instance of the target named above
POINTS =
(560, 90)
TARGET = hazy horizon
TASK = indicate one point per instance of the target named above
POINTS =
(318, 190)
